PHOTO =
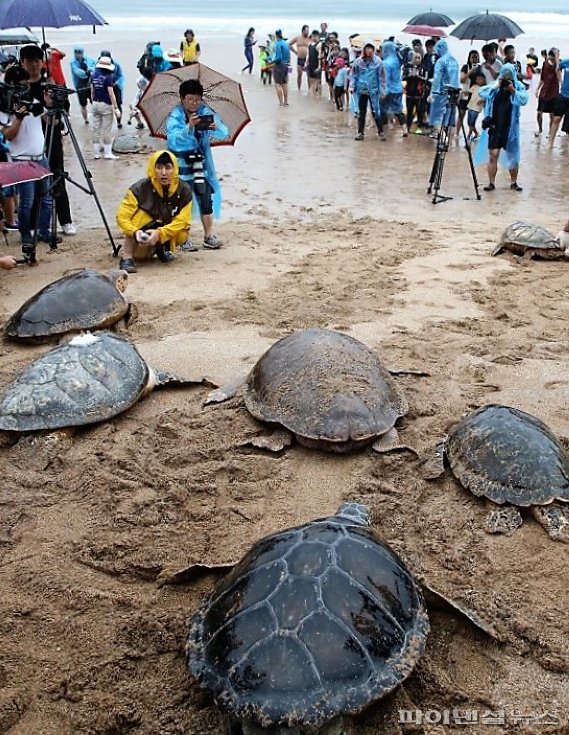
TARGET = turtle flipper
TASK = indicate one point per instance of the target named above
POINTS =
(131, 315)
(435, 466)
(435, 598)
(555, 519)
(225, 392)
(274, 442)
(498, 249)
(163, 378)
(505, 519)
(389, 442)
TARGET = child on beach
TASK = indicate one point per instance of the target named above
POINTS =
(340, 82)
(475, 105)
(265, 65)
(141, 84)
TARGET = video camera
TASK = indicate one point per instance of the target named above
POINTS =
(452, 93)
(58, 93)
(14, 97)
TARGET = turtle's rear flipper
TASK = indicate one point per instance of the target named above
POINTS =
(506, 519)
(555, 519)
(436, 599)
(389, 442)
(435, 466)
(227, 391)
(163, 378)
(274, 442)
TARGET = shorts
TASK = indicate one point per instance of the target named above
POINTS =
(472, 117)
(546, 106)
(280, 73)
(463, 104)
(301, 62)
(561, 106)
(204, 196)
(84, 95)
(315, 74)
(393, 104)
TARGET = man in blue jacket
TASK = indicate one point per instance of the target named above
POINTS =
(81, 69)
(281, 60)
(392, 102)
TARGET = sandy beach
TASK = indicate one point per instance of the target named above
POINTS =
(318, 231)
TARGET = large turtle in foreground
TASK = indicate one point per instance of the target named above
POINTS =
(314, 623)
(514, 460)
(90, 379)
(326, 388)
(127, 143)
(78, 302)
(531, 241)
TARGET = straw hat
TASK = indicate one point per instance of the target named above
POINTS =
(173, 55)
(105, 62)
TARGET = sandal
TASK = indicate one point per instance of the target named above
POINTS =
(516, 187)
(490, 187)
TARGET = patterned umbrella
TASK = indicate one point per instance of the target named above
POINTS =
(360, 41)
(431, 19)
(485, 27)
(222, 94)
(424, 31)
(16, 172)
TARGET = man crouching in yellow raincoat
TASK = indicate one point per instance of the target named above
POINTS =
(156, 212)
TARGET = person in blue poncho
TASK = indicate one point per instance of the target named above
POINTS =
(190, 127)
(445, 75)
(368, 86)
(504, 99)
(392, 101)
(82, 67)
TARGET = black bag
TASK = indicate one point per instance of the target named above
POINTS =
(487, 123)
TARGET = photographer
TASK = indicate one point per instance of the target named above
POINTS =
(501, 124)
(22, 128)
(445, 76)
(191, 126)
(155, 213)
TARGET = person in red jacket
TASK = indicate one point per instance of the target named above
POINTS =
(53, 64)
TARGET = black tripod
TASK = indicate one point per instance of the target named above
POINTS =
(443, 141)
(57, 116)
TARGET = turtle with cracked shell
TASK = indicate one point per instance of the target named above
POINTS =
(78, 302)
(313, 624)
(127, 143)
(515, 461)
(531, 241)
(92, 378)
(324, 387)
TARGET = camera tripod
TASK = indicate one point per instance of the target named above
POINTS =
(56, 116)
(443, 142)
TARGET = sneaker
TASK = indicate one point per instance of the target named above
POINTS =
(211, 242)
(53, 242)
(11, 228)
(163, 255)
(128, 265)
(68, 229)
(359, 136)
(189, 247)
(140, 126)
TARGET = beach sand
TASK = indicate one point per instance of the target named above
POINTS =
(319, 231)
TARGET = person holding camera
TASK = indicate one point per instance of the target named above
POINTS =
(155, 213)
(503, 102)
(190, 128)
(81, 69)
(22, 128)
(445, 79)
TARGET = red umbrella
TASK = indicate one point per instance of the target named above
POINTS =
(16, 172)
(425, 31)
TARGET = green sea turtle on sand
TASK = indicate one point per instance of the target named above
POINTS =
(515, 461)
(78, 302)
(327, 389)
(530, 241)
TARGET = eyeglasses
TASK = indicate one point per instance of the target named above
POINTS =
(192, 100)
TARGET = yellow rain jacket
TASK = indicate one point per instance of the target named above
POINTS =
(145, 203)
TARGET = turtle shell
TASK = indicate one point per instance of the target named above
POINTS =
(80, 301)
(127, 143)
(324, 386)
(508, 456)
(522, 236)
(314, 622)
(91, 378)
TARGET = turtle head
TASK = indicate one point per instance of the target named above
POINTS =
(120, 279)
(357, 513)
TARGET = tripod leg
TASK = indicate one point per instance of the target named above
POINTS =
(470, 161)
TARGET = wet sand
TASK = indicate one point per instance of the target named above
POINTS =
(92, 639)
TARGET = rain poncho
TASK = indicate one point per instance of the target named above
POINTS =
(183, 139)
(147, 202)
(81, 70)
(446, 75)
(392, 68)
(368, 76)
(510, 155)
(159, 63)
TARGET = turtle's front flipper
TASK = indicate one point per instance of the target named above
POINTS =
(131, 315)
(227, 391)
(389, 442)
(434, 466)
(162, 378)
(505, 519)
(555, 519)
(498, 249)
(274, 442)
(418, 373)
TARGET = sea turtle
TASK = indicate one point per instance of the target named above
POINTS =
(89, 379)
(512, 459)
(531, 241)
(326, 388)
(314, 623)
(127, 143)
(80, 301)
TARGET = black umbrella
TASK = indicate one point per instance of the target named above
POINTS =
(485, 27)
(439, 20)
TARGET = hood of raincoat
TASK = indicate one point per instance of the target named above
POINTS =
(441, 47)
(151, 171)
(513, 73)
(389, 49)
(157, 52)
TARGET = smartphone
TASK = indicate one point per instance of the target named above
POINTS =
(205, 122)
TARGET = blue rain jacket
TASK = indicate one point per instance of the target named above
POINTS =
(80, 75)
(445, 75)
(184, 139)
(368, 75)
(159, 63)
(510, 155)
(392, 68)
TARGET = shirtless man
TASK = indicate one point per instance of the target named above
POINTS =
(299, 46)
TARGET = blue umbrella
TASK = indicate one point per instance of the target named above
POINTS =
(48, 14)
